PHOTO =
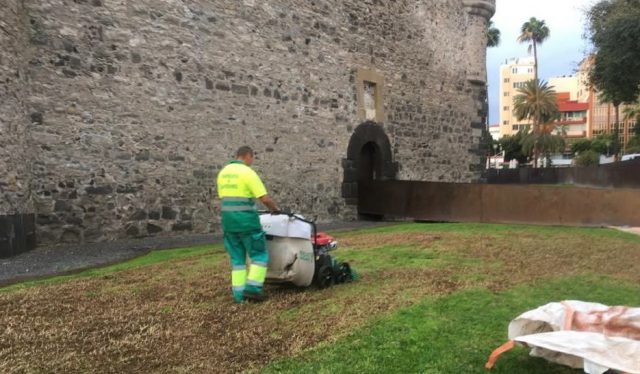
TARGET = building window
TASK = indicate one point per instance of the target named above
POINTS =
(506, 80)
(506, 94)
(505, 122)
(514, 127)
(369, 90)
(370, 100)
(506, 108)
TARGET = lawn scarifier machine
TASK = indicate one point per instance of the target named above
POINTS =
(299, 254)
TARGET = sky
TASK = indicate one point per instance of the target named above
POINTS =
(558, 55)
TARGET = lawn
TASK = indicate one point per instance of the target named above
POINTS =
(432, 298)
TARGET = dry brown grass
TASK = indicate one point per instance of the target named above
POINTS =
(178, 316)
(154, 320)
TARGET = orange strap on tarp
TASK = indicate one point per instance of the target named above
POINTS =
(497, 352)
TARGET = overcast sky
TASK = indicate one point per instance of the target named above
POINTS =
(559, 55)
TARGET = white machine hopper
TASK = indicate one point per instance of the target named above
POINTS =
(284, 226)
(291, 256)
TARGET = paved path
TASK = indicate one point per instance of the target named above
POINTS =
(631, 230)
(45, 262)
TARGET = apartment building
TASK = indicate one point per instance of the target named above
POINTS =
(513, 75)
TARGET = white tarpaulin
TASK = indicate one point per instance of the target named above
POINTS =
(589, 336)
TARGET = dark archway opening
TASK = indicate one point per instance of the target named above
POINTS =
(369, 163)
(369, 158)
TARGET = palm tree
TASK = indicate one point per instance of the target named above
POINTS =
(535, 32)
(632, 112)
(545, 142)
(493, 35)
(537, 101)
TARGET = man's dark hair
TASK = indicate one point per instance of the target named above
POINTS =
(244, 150)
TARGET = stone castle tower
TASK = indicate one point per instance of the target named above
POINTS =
(115, 116)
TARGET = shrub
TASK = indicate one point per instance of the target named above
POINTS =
(580, 145)
(588, 158)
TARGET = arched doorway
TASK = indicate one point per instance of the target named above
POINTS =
(369, 163)
(369, 158)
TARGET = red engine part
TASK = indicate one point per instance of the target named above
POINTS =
(322, 238)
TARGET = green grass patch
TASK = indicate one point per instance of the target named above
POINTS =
(388, 256)
(454, 334)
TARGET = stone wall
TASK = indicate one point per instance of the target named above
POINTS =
(14, 124)
(136, 105)
(16, 210)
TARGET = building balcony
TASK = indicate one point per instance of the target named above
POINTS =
(576, 135)
(571, 121)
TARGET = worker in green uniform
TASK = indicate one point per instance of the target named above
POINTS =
(238, 187)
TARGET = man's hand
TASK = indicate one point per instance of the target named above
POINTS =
(269, 203)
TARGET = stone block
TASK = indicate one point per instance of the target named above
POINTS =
(138, 215)
(168, 213)
(98, 190)
(240, 89)
(182, 226)
(153, 229)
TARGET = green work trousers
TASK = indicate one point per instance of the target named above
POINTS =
(239, 245)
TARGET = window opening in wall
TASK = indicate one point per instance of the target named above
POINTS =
(370, 100)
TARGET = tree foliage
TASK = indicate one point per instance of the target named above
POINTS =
(535, 32)
(614, 30)
(547, 143)
(607, 144)
(536, 101)
(493, 35)
(580, 145)
(512, 147)
(588, 158)
(632, 112)
(633, 146)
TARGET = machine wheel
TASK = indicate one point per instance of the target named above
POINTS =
(326, 277)
(344, 273)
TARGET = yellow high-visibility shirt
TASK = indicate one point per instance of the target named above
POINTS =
(238, 180)
(238, 186)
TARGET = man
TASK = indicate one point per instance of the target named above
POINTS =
(238, 187)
